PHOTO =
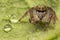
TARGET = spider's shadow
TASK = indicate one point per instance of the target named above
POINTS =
(41, 26)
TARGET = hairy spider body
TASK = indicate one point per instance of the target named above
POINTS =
(41, 13)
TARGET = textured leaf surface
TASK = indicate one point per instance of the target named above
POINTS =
(24, 30)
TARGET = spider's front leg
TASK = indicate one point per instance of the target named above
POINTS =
(23, 16)
(31, 19)
(54, 18)
(48, 21)
(51, 17)
(30, 11)
(32, 16)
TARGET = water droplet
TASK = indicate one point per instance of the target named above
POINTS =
(13, 19)
(7, 28)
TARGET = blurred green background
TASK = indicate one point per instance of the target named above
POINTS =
(25, 30)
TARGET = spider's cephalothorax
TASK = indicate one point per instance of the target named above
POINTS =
(41, 13)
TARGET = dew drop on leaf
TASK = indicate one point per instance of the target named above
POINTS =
(7, 28)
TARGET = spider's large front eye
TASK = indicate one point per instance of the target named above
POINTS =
(40, 11)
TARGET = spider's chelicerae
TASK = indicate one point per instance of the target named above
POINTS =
(41, 13)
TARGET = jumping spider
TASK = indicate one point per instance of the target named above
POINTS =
(41, 13)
